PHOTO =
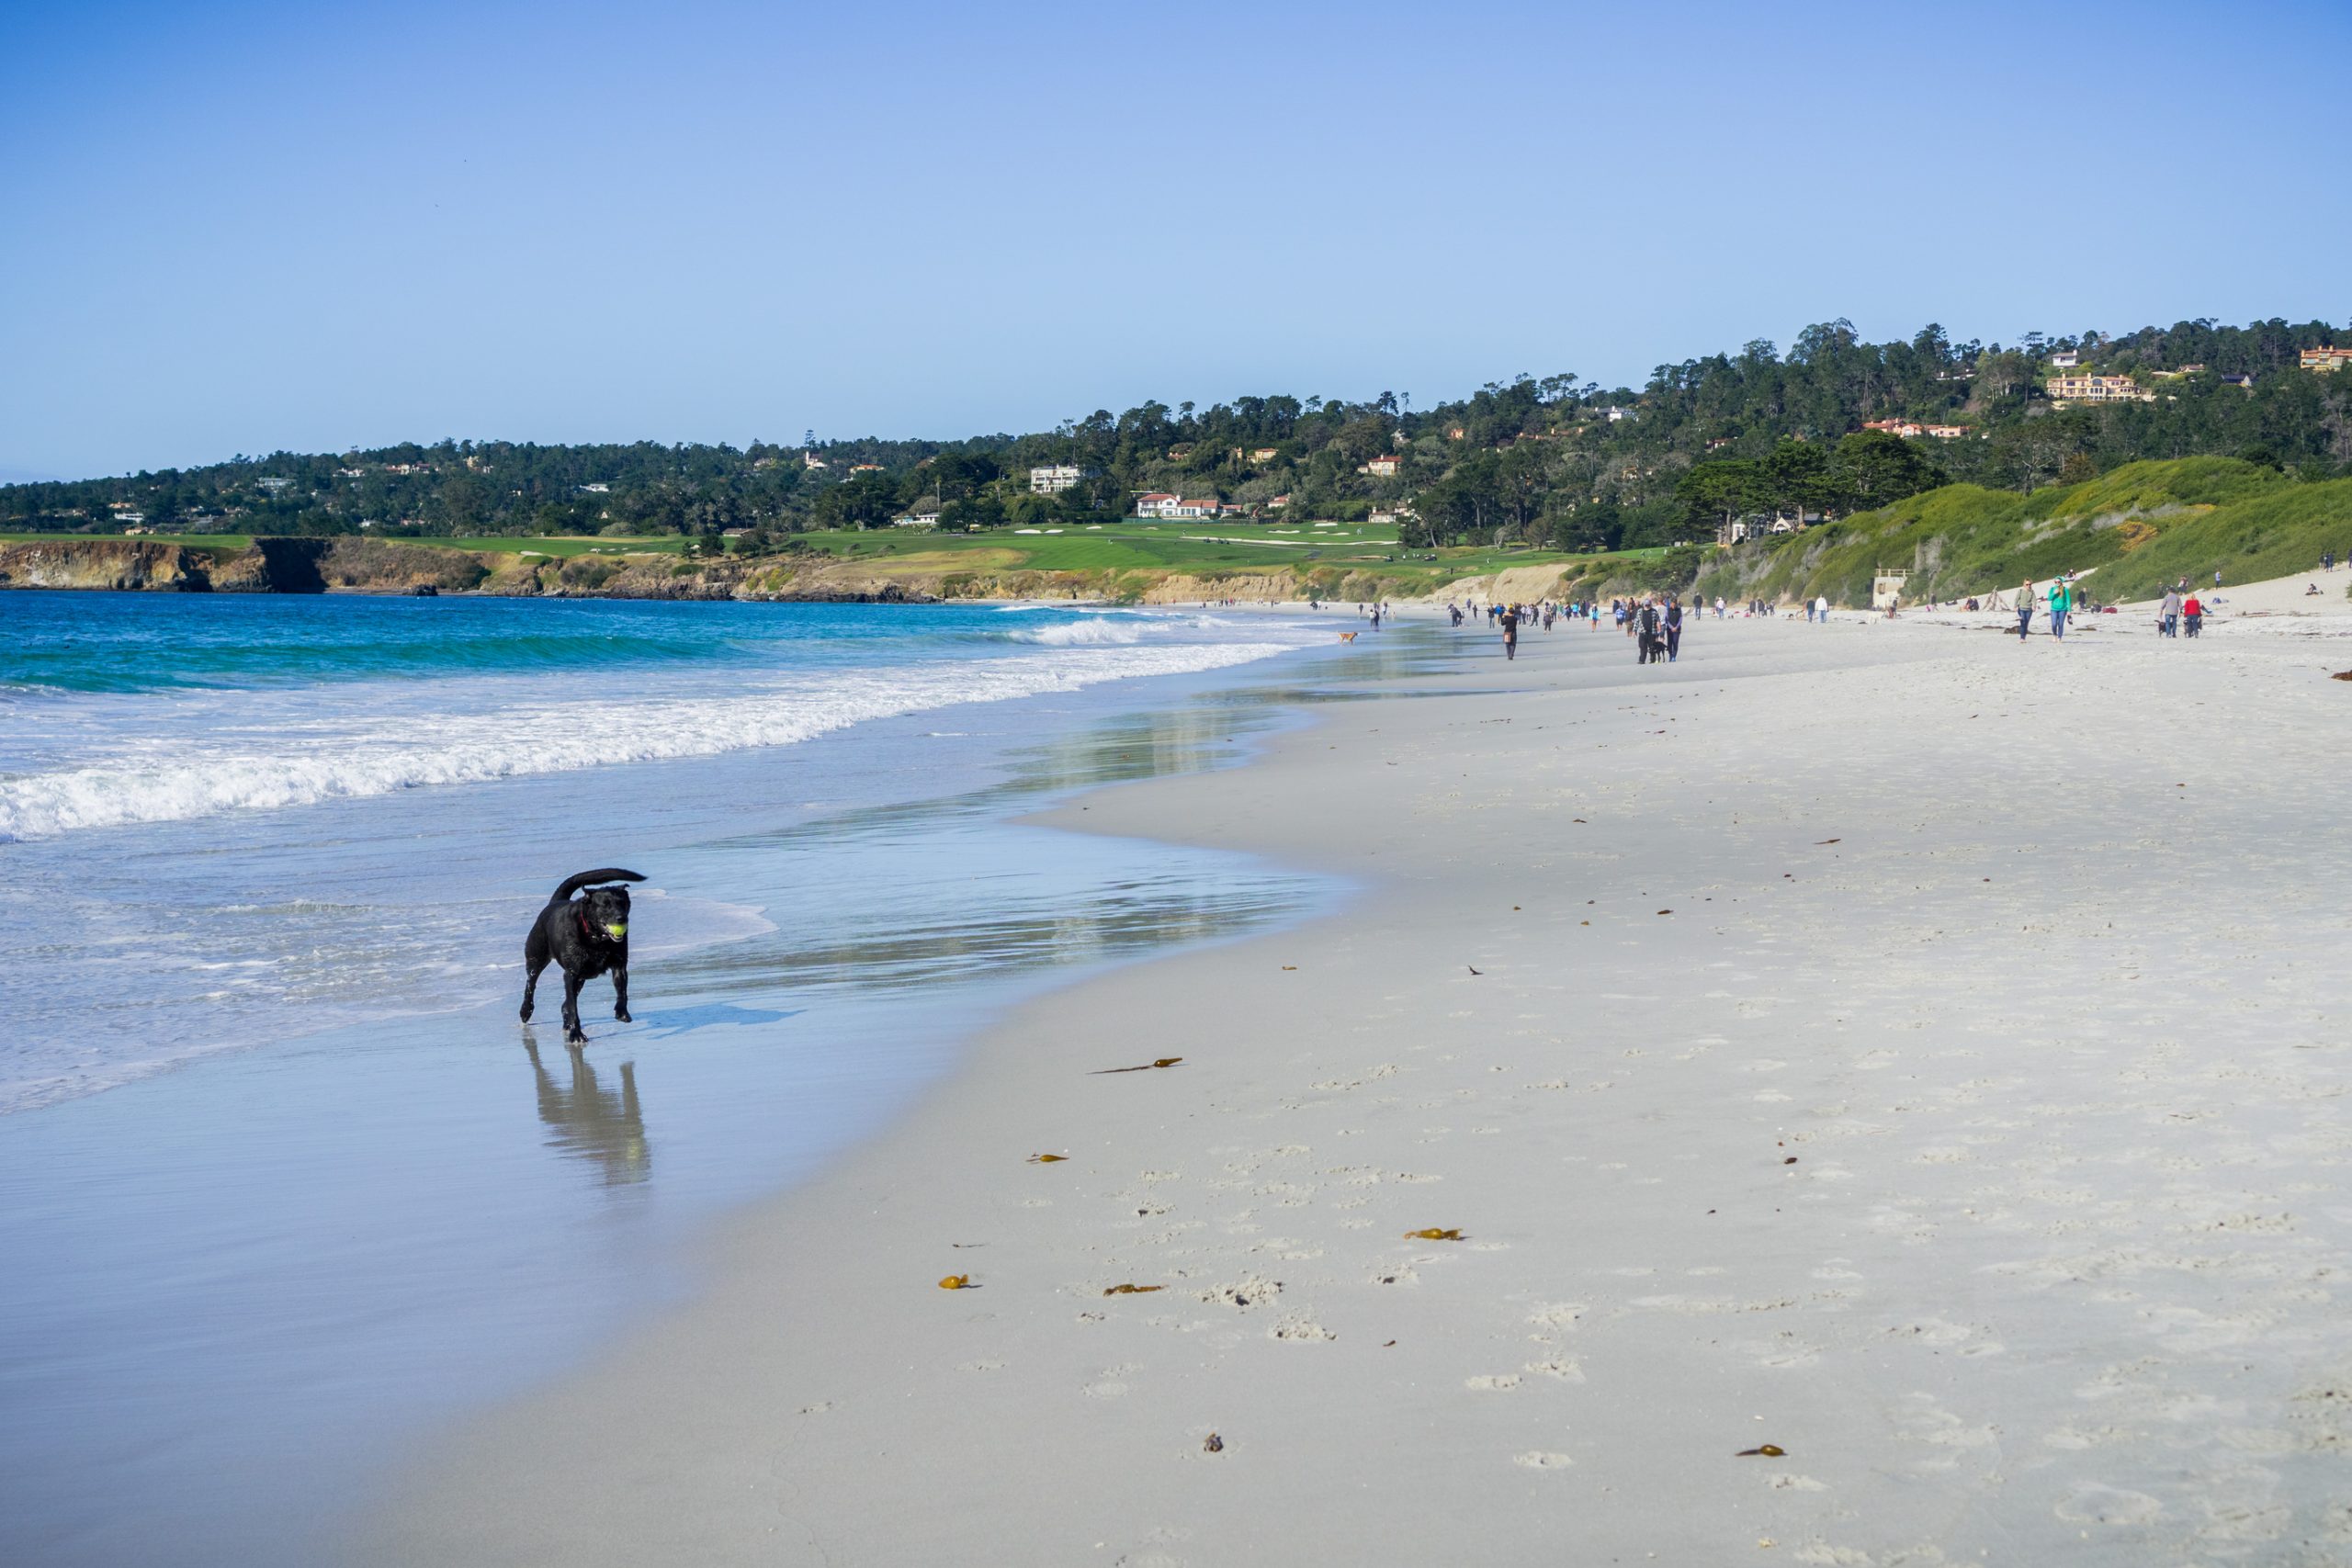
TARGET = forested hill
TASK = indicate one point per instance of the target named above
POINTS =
(1556, 461)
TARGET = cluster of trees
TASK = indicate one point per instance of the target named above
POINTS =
(1554, 460)
(1868, 468)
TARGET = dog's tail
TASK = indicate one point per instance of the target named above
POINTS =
(590, 878)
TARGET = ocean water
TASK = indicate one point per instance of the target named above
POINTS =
(149, 743)
(284, 1186)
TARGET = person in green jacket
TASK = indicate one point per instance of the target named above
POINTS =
(2062, 599)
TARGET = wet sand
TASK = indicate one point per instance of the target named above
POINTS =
(1917, 1052)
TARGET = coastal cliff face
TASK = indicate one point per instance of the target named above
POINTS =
(384, 566)
(105, 563)
(267, 565)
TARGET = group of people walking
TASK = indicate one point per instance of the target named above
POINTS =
(1653, 621)
(2181, 611)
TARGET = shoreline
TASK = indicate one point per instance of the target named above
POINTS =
(1785, 1170)
(516, 1214)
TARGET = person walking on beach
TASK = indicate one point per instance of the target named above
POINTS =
(1821, 608)
(1510, 631)
(2168, 616)
(2025, 607)
(2060, 600)
(1673, 629)
(1645, 621)
(2192, 614)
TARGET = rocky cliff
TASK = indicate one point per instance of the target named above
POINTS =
(105, 563)
(384, 565)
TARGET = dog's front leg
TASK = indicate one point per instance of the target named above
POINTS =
(620, 994)
(573, 1033)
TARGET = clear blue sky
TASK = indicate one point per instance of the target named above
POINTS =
(241, 227)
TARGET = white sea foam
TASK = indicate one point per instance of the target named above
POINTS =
(1092, 632)
(259, 767)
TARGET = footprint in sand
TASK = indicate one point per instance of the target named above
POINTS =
(2099, 1504)
(1111, 1381)
(1496, 1383)
(1534, 1461)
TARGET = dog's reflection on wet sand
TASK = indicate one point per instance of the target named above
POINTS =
(586, 1120)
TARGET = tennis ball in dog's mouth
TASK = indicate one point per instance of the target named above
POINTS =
(621, 929)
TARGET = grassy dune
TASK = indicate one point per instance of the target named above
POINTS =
(2142, 525)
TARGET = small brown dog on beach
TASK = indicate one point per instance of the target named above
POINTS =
(1347, 636)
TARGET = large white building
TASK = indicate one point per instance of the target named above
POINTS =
(1055, 478)
(1159, 503)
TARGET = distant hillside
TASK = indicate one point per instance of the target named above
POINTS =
(2143, 525)
(1832, 425)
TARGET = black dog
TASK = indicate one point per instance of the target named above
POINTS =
(588, 937)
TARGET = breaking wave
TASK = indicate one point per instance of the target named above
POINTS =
(304, 758)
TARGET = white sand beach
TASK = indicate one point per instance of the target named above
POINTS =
(1915, 1053)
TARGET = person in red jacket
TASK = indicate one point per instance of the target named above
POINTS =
(2192, 614)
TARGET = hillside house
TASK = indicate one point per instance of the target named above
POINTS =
(2325, 360)
(1383, 467)
(810, 460)
(1912, 427)
(1052, 478)
(1161, 504)
(2065, 359)
(2097, 390)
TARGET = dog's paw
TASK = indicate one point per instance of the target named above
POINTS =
(527, 1012)
(575, 1037)
(620, 1015)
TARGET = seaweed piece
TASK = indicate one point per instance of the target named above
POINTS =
(957, 1282)
(1432, 1234)
(1133, 1289)
(1163, 1062)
